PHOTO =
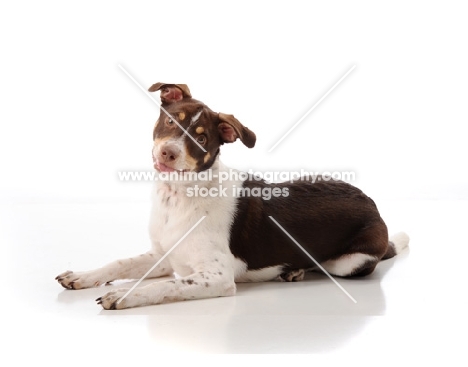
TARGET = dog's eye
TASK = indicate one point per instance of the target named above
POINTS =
(170, 122)
(201, 139)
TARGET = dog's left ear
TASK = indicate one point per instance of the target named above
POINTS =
(230, 129)
(171, 93)
(183, 87)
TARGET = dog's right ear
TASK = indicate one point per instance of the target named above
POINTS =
(230, 129)
(171, 93)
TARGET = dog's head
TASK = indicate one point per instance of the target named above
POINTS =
(188, 137)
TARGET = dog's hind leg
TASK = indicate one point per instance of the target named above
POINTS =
(363, 254)
(132, 268)
(371, 248)
(356, 264)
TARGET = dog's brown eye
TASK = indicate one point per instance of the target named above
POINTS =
(170, 122)
(201, 139)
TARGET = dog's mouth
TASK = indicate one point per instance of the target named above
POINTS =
(161, 167)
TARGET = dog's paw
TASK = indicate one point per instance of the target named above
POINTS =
(293, 275)
(72, 280)
(110, 301)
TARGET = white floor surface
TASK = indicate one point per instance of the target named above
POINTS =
(413, 308)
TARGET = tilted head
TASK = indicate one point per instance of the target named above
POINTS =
(196, 148)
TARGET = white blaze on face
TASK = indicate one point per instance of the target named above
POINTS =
(196, 117)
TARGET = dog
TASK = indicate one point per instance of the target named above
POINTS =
(237, 241)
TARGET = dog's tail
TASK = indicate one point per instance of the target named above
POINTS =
(396, 244)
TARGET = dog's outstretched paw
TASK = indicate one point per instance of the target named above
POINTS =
(110, 301)
(72, 280)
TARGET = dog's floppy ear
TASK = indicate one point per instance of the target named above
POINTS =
(156, 87)
(171, 92)
(183, 87)
(230, 129)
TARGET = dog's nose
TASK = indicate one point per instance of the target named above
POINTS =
(169, 154)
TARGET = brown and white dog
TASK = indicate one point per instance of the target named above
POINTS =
(337, 224)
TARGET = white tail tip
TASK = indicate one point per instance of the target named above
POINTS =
(400, 240)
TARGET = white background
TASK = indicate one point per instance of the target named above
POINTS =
(71, 119)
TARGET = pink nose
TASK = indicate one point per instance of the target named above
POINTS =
(169, 153)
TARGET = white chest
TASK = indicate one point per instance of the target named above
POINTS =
(176, 209)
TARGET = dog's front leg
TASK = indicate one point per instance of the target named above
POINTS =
(204, 284)
(132, 268)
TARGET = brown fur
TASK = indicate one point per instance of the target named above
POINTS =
(328, 218)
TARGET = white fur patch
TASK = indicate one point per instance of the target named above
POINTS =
(400, 240)
(196, 117)
(175, 212)
(347, 264)
(260, 275)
